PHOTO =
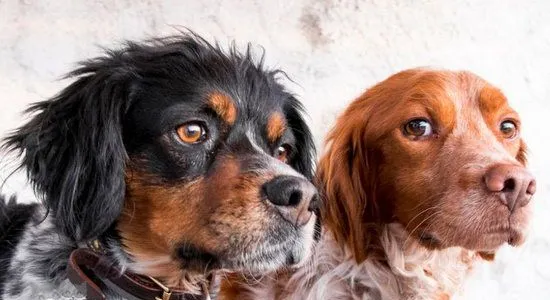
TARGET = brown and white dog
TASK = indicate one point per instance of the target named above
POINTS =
(423, 176)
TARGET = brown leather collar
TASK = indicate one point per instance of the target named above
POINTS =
(87, 267)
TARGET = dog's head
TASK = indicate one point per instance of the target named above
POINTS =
(199, 159)
(437, 151)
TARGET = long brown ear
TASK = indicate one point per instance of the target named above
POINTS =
(348, 172)
(347, 181)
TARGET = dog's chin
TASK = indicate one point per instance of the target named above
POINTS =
(300, 254)
(488, 241)
(292, 252)
(290, 247)
(493, 240)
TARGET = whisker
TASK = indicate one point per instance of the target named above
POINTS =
(419, 224)
(417, 215)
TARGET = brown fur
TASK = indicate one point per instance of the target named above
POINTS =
(208, 212)
(224, 106)
(368, 156)
(276, 126)
(385, 192)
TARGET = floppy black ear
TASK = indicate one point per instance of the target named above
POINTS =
(303, 159)
(73, 151)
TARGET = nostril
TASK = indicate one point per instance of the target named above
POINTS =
(513, 184)
(494, 182)
(295, 198)
(531, 188)
(314, 203)
(509, 185)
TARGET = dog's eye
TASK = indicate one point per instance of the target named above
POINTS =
(191, 133)
(418, 128)
(508, 129)
(282, 153)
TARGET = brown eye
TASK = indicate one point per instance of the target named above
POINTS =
(191, 133)
(418, 128)
(508, 129)
(282, 153)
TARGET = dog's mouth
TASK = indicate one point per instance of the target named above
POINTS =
(279, 250)
(511, 236)
(195, 258)
(489, 240)
(292, 250)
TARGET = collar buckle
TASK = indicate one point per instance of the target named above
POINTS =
(96, 246)
(166, 293)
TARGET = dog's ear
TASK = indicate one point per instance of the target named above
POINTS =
(73, 150)
(522, 153)
(303, 159)
(347, 179)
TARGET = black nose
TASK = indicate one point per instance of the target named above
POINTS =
(514, 184)
(295, 198)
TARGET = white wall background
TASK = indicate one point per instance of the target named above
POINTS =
(333, 49)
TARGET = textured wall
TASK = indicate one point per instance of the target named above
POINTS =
(333, 50)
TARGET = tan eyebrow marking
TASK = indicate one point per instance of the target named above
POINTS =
(276, 126)
(491, 99)
(224, 106)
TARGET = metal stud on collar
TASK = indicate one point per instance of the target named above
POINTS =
(166, 294)
(96, 246)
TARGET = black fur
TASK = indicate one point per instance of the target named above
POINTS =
(74, 149)
(121, 113)
(73, 152)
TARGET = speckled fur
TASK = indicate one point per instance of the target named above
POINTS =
(37, 269)
(414, 273)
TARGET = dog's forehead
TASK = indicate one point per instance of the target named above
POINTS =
(229, 105)
(479, 103)
(457, 96)
(470, 92)
(247, 107)
(260, 110)
(492, 101)
(261, 116)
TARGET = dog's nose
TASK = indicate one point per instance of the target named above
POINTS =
(294, 197)
(514, 184)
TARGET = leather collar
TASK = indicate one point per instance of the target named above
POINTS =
(88, 269)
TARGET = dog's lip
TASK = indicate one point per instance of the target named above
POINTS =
(286, 259)
(492, 238)
(502, 230)
(498, 230)
(504, 235)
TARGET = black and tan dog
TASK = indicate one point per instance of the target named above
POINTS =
(175, 160)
